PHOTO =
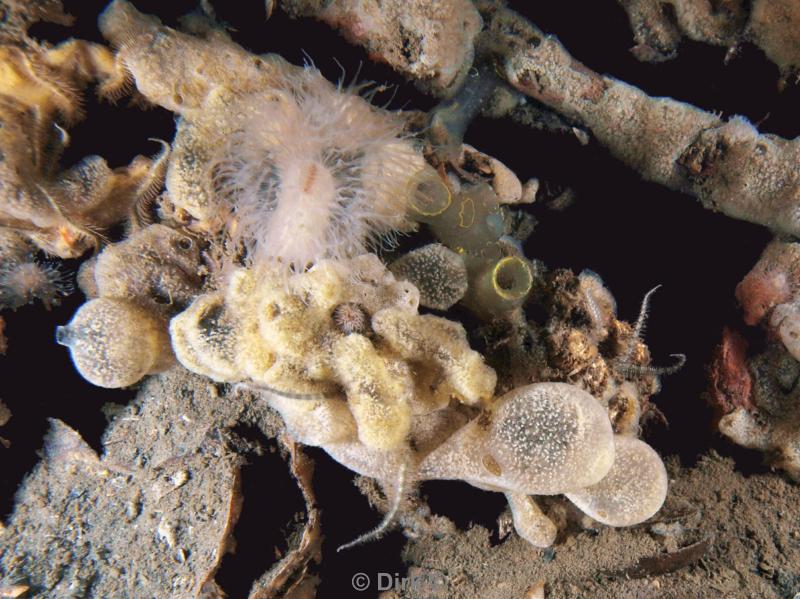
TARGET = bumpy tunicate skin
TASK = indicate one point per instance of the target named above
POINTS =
(672, 143)
(379, 390)
(658, 27)
(553, 431)
(286, 335)
(157, 267)
(542, 439)
(176, 70)
(438, 272)
(632, 491)
(775, 27)
(440, 343)
(115, 343)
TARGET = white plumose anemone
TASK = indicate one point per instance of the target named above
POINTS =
(314, 172)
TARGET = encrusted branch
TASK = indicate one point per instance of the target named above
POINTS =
(772, 25)
(728, 165)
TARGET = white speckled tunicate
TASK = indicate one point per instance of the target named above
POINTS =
(632, 491)
(542, 439)
(114, 343)
(438, 272)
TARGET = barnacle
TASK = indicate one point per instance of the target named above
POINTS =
(351, 318)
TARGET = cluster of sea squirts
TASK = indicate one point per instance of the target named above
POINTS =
(259, 264)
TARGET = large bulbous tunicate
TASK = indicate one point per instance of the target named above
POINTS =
(632, 491)
(114, 343)
(541, 439)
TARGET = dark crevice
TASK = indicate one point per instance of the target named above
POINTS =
(117, 132)
(668, 10)
(346, 514)
(272, 509)
(474, 506)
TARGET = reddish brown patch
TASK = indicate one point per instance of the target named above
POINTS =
(349, 24)
(596, 86)
(759, 292)
(731, 383)
(311, 176)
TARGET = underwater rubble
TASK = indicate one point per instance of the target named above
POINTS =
(342, 276)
